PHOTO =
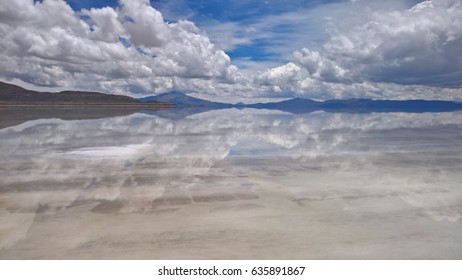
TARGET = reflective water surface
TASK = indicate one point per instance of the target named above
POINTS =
(233, 184)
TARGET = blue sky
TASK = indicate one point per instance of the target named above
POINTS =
(397, 49)
(207, 14)
(210, 14)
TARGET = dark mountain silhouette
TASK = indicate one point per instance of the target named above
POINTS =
(188, 105)
(356, 106)
(18, 105)
(184, 100)
(12, 95)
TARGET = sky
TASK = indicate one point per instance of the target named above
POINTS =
(236, 50)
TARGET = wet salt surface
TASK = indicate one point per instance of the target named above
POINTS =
(233, 185)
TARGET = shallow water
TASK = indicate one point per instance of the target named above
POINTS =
(233, 184)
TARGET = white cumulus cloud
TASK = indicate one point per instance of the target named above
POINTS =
(379, 52)
(48, 43)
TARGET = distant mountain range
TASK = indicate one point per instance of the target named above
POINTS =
(188, 105)
(18, 105)
(12, 95)
(183, 100)
(91, 105)
(304, 106)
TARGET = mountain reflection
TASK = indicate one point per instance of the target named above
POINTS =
(149, 165)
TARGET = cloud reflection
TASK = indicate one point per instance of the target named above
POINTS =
(145, 164)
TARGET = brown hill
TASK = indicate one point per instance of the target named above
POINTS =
(18, 105)
(12, 95)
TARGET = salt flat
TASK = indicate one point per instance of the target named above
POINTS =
(240, 185)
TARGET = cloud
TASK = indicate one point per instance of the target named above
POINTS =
(319, 66)
(47, 43)
(419, 45)
(283, 78)
(341, 50)
(380, 52)
(229, 35)
(145, 24)
(106, 24)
